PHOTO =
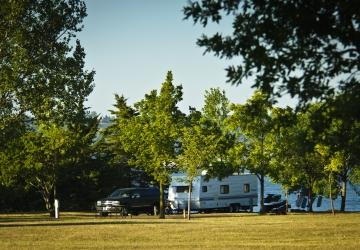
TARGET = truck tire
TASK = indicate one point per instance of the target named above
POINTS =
(124, 211)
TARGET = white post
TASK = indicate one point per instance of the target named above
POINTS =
(56, 207)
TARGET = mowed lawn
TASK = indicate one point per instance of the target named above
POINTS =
(204, 231)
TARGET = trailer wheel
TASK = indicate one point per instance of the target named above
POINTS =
(234, 208)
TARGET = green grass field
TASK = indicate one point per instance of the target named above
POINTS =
(204, 231)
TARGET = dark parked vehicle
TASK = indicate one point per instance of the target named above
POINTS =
(130, 200)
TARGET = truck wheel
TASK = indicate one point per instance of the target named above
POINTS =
(124, 211)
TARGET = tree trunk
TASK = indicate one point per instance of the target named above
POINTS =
(262, 190)
(343, 194)
(162, 209)
(189, 200)
(46, 195)
(310, 200)
(47, 202)
(330, 195)
(286, 199)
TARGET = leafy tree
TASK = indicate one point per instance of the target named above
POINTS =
(215, 111)
(43, 84)
(217, 106)
(304, 48)
(150, 137)
(308, 162)
(283, 169)
(252, 122)
(116, 170)
(341, 136)
(333, 164)
(44, 152)
(41, 73)
(109, 141)
(50, 149)
(199, 147)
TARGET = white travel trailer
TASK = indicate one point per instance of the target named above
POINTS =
(232, 193)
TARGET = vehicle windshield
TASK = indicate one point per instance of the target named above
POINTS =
(119, 193)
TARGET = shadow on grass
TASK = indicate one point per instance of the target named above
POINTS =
(229, 215)
(92, 223)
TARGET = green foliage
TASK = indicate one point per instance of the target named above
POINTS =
(44, 124)
(199, 147)
(341, 140)
(298, 47)
(296, 161)
(48, 150)
(217, 106)
(151, 136)
(283, 170)
(215, 112)
(42, 74)
(252, 122)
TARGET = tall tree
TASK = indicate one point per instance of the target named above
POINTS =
(307, 160)
(110, 135)
(304, 48)
(49, 149)
(283, 170)
(151, 137)
(215, 111)
(341, 135)
(199, 147)
(252, 122)
(43, 81)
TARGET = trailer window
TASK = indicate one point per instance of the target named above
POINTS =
(182, 189)
(224, 189)
(204, 189)
(246, 188)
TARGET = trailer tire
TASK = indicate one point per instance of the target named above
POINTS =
(234, 208)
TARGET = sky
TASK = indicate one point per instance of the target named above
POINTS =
(131, 44)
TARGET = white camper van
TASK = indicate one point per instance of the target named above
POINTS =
(232, 193)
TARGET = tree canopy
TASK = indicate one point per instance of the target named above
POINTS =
(151, 136)
(42, 71)
(305, 48)
(43, 89)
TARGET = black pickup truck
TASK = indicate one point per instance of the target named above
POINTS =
(133, 201)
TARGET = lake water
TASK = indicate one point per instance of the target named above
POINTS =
(320, 204)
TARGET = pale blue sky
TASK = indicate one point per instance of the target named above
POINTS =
(131, 44)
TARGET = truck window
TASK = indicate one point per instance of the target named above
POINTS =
(204, 189)
(125, 195)
(224, 189)
(246, 188)
(135, 196)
